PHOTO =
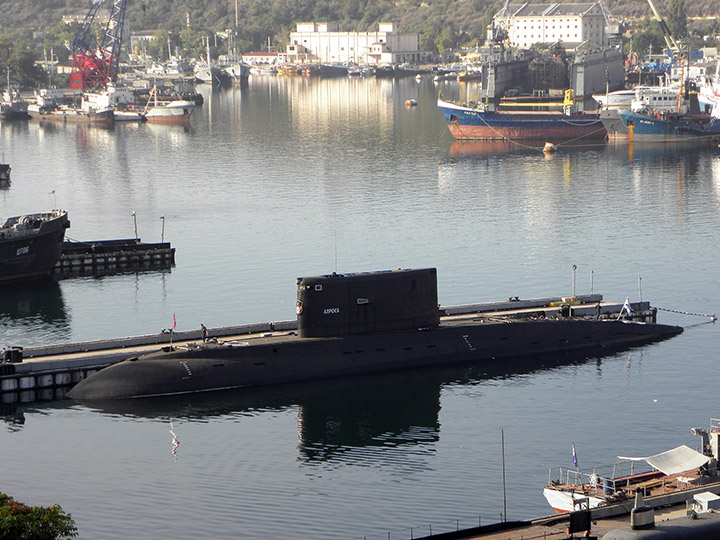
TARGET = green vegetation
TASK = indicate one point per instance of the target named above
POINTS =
(21, 522)
(33, 30)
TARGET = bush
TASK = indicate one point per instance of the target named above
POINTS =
(21, 522)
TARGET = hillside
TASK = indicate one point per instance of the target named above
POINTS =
(260, 18)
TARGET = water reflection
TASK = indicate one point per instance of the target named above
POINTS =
(338, 416)
(40, 300)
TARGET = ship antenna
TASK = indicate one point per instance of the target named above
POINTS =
(335, 250)
(54, 198)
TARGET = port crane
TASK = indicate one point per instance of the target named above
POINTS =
(669, 40)
(95, 62)
(674, 49)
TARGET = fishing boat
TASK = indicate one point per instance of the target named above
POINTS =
(660, 118)
(370, 322)
(675, 475)
(12, 105)
(479, 122)
(168, 111)
(30, 245)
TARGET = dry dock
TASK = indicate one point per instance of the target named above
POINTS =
(47, 373)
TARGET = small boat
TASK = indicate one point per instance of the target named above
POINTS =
(173, 111)
(469, 75)
(410, 103)
(31, 245)
(549, 148)
(475, 121)
(677, 474)
(12, 105)
(67, 113)
(263, 69)
(127, 115)
(287, 69)
(238, 72)
(5, 173)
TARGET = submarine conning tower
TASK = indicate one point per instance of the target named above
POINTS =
(367, 302)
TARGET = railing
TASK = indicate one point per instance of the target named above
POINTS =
(432, 529)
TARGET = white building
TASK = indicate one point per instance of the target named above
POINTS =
(574, 24)
(324, 42)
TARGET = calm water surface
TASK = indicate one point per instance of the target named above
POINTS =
(296, 176)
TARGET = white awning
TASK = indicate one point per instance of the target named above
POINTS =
(680, 459)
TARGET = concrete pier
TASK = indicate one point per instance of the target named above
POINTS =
(101, 256)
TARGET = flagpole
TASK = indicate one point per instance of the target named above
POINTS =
(502, 437)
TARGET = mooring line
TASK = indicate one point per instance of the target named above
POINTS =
(711, 317)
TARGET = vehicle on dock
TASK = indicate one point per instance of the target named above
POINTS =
(354, 324)
(676, 475)
(477, 121)
(31, 245)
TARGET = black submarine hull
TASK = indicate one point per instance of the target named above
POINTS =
(289, 358)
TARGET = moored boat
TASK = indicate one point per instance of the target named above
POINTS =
(674, 475)
(168, 111)
(5, 172)
(649, 125)
(356, 324)
(478, 122)
(31, 245)
(12, 105)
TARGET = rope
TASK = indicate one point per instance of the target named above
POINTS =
(711, 317)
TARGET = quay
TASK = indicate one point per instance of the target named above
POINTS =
(49, 372)
(100, 256)
(565, 527)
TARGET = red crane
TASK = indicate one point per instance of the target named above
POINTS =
(95, 63)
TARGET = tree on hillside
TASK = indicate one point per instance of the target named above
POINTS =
(677, 19)
(648, 38)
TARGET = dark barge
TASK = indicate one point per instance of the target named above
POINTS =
(30, 245)
(354, 324)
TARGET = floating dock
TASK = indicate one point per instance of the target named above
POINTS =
(47, 373)
(104, 256)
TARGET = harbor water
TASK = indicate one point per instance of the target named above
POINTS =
(297, 176)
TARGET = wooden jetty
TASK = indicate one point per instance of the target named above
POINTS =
(99, 256)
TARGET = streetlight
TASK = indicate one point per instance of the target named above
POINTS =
(135, 220)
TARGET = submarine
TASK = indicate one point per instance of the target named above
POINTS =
(369, 322)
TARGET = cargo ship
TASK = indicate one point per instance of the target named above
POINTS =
(476, 121)
(31, 245)
(354, 324)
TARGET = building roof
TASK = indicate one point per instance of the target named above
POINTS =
(537, 10)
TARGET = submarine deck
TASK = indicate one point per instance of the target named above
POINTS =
(48, 372)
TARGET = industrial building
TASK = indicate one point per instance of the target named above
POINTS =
(326, 43)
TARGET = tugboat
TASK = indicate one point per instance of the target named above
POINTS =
(30, 245)
(355, 324)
